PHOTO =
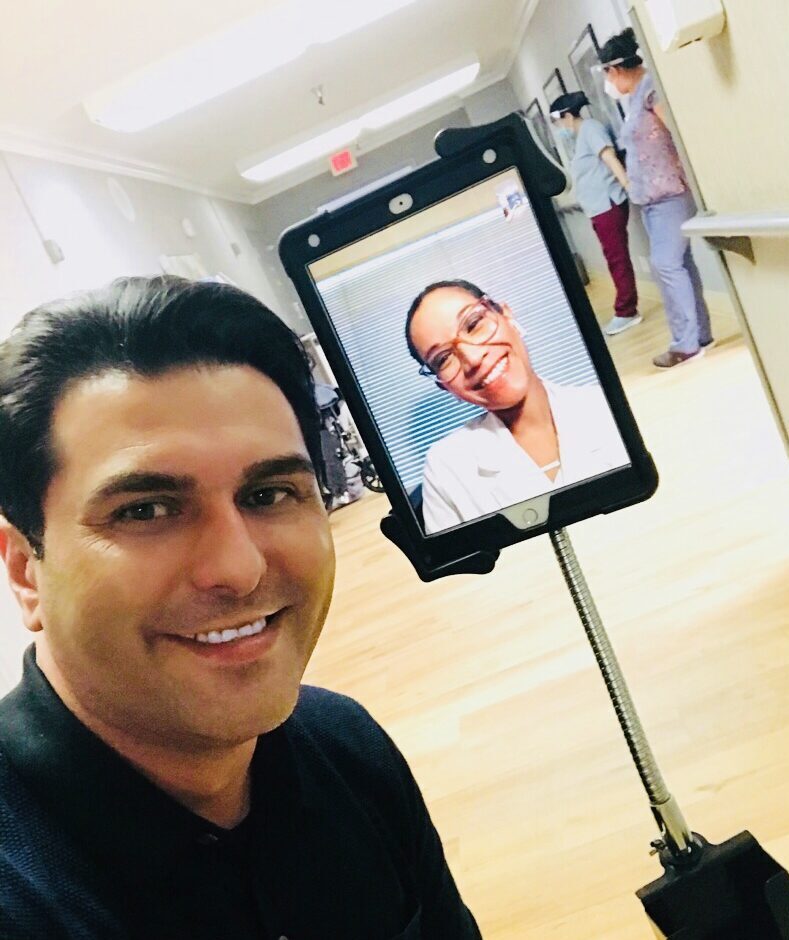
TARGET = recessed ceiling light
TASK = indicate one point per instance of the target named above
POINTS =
(205, 70)
(345, 134)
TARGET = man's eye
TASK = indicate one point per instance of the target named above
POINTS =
(143, 512)
(268, 496)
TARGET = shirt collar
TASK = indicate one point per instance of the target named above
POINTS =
(642, 90)
(495, 447)
(491, 440)
(102, 801)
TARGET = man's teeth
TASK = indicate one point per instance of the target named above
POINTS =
(495, 372)
(225, 636)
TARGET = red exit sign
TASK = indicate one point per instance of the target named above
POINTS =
(342, 162)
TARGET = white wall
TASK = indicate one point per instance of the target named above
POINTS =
(491, 103)
(40, 200)
(13, 639)
(726, 96)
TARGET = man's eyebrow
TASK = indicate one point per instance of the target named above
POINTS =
(277, 466)
(140, 482)
(149, 482)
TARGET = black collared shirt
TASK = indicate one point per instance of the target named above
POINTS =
(338, 844)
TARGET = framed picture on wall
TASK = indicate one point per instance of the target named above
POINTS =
(554, 87)
(584, 55)
(536, 118)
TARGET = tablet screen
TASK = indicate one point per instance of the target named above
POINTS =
(465, 346)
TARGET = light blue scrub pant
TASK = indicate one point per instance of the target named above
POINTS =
(676, 273)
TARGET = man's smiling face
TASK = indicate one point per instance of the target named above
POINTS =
(182, 506)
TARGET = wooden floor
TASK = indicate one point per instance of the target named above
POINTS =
(488, 686)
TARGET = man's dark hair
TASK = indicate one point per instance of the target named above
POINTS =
(570, 103)
(417, 302)
(623, 46)
(144, 327)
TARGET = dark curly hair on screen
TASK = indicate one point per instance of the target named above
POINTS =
(417, 303)
(143, 327)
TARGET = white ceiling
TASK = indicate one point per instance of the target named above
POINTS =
(54, 53)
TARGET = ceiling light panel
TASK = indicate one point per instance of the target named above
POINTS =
(303, 153)
(421, 98)
(227, 60)
(322, 145)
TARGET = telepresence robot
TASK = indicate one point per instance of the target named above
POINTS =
(732, 891)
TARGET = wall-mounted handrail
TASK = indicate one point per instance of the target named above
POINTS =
(733, 232)
(748, 224)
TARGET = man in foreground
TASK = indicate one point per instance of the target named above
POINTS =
(162, 772)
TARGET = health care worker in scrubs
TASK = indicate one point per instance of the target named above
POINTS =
(659, 187)
(600, 185)
(535, 436)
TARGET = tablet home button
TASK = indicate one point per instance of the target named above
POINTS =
(529, 517)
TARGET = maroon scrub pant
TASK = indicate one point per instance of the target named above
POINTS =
(611, 229)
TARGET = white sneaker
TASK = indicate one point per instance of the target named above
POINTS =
(620, 324)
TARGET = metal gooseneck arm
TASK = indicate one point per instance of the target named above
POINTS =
(676, 837)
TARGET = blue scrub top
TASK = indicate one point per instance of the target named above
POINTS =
(596, 187)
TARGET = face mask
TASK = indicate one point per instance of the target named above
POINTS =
(565, 134)
(612, 91)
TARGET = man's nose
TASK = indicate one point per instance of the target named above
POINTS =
(226, 558)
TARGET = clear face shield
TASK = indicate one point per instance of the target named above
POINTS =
(564, 133)
(610, 89)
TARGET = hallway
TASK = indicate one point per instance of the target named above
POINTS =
(489, 687)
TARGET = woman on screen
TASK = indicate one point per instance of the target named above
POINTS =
(534, 437)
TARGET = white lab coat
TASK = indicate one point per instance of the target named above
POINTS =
(480, 468)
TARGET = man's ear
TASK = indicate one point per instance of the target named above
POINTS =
(21, 565)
